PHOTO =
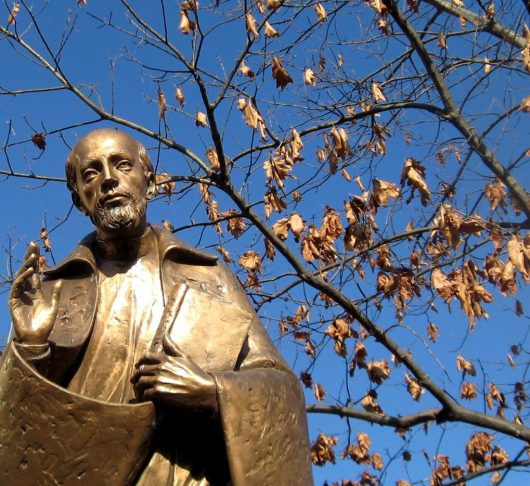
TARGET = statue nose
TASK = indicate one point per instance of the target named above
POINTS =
(109, 183)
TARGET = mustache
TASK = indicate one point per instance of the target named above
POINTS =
(125, 194)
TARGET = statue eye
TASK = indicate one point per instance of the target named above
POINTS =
(89, 174)
(124, 165)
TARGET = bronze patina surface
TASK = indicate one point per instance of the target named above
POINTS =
(138, 359)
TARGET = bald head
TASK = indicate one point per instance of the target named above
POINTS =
(99, 140)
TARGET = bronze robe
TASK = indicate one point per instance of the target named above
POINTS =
(260, 435)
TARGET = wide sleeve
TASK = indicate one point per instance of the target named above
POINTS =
(262, 413)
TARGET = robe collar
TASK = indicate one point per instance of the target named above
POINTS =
(169, 247)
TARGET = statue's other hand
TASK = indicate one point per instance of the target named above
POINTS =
(173, 379)
(32, 316)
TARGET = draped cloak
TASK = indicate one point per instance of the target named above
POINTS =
(259, 436)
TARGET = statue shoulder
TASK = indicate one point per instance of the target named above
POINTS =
(178, 250)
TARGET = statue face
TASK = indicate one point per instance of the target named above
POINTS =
(112, 183)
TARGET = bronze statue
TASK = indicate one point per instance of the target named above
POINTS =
(138, 359)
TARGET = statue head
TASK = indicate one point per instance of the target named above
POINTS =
(110, 177)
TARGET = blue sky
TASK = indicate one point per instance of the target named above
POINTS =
(95, 59)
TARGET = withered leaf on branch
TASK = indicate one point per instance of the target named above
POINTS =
(465, 366)
(187, 26)
(378, 371)
(296, 225)
(339, 330)
(464, 286)
(315, 247)
(270, 31)
(495, 191)
(525, 105)
(310, 78)
(201, 120)
(281, 228)
(192, 5)
(413, 175)
(42, 264)
(273, 202)
(306, 379)
(45, 238)
(273, 5)
(433, 332)
(280, 74)
(246, 71)
(164, 184)
(507, 283)
(320, 393)
(252, 117)
(377, 92)
(322, 449)
(322, 15)
(179, 96)
(224, 253)
(277, 169)
(251, 262)
(498, 456)
(331, 227)
(39, 140)
(295, 146)
(377, 461)
(270, 251)
(384, 190)
(468, 391)
(213, 158)
(235, 224)
(341, 145)
(359, 452)
(452, 224)
(379, 6)
(477, 451)
(252, 25)
(519, 254)
(414, 387)
(13, 13)
(162, 105)
(526, 50)
(369, 403)
(167, 225)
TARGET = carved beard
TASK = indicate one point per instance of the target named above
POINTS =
(121, 217)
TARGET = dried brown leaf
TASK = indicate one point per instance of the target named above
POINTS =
(322, 449)
(179, 96)
(187, 26)
(320, 393)
(280, 74)
(45, 238)
(322, 15)
(378, 371)
(224, 253)
(468, 391)
(270, 31)
(39, 140)
(201, 120)
(310, 78)
(377, 92)
(13, 13)
(252, 25)
(413, 175)
(465, 366)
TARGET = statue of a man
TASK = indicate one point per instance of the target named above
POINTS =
(136, 316)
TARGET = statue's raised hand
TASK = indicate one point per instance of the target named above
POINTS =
(32, 315)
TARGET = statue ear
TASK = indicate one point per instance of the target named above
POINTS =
(77, 202)
(151, 184)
